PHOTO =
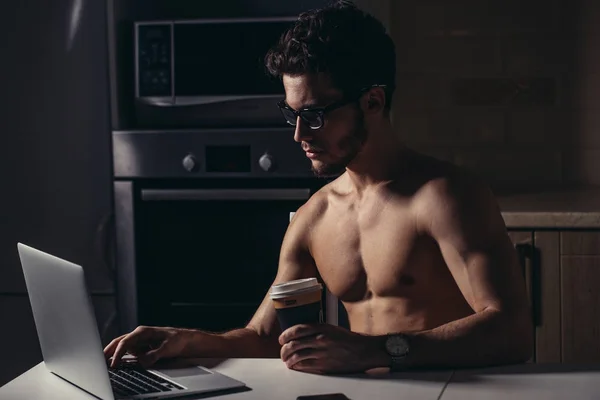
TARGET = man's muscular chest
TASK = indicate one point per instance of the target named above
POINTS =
(366, 252)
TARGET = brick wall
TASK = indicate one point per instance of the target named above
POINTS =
(507, 88)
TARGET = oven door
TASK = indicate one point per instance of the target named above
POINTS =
(205, 256)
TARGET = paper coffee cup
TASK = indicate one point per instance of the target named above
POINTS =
(298, 302)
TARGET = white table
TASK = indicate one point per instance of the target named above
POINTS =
(268, 379)
(528, 381)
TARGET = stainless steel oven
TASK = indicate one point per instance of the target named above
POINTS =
(200, 218)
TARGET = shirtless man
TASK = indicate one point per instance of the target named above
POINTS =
(415, 248)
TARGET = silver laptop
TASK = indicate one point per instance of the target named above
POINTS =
(71, 345)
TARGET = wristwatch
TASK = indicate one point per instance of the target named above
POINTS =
(397, 346)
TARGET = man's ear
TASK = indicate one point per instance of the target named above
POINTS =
(374, 100)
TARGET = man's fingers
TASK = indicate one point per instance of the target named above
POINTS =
(299, 331)
(306, 358)
(291, 347)
(110, 348)
(119, 352)
(311, 366)
(133, 341)
(130, 341)
(151, 357)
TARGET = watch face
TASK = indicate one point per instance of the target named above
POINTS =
(396, 345)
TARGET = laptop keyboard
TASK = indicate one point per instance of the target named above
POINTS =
(129, 380)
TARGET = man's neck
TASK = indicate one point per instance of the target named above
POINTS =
(380, 161)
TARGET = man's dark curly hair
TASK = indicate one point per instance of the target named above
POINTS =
(349, 45)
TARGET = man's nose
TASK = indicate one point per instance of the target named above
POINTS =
(302, 131)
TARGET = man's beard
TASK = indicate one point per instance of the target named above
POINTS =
(350, 145)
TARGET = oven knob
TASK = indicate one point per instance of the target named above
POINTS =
(267, 162)
(189, 163)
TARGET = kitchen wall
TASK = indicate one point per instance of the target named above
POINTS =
(507, 88)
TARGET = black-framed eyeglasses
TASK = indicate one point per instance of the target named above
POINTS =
(315, 117)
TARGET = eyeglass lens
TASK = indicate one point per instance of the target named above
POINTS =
(313, 119)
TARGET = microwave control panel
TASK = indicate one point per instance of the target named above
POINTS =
(153, 62)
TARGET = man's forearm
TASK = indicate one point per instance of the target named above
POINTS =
(239, 343)
(485, 338)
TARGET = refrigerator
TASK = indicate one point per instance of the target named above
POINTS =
(55, 159)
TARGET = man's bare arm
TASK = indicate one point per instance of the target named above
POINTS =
(465, 220)
(258, 339)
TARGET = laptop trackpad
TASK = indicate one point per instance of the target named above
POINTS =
(184, 372)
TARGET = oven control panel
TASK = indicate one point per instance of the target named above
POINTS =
(267, 162)
(228, 159)
(207, 153)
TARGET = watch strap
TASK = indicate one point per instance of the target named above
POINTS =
(398, 364)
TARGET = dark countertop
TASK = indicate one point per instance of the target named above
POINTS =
(569, 208)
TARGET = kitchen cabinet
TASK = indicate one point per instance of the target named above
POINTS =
(562, 275)
(523, 242)
(546, 296)
(541, 281)
(580, 296)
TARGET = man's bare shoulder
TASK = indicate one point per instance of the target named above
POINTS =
(455, 185)
(316, 205)
(298, 235)
(454, 194)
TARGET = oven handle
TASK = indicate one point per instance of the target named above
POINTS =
(224, 194)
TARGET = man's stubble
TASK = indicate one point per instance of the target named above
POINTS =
(350, 145)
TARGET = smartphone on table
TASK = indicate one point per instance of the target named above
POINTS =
(327, 396)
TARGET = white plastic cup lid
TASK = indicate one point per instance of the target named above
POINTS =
(298, 285)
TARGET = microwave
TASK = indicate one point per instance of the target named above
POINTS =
(207, 73)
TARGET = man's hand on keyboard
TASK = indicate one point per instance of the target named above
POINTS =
(148, 344)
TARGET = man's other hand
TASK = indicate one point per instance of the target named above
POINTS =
(328, 349)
